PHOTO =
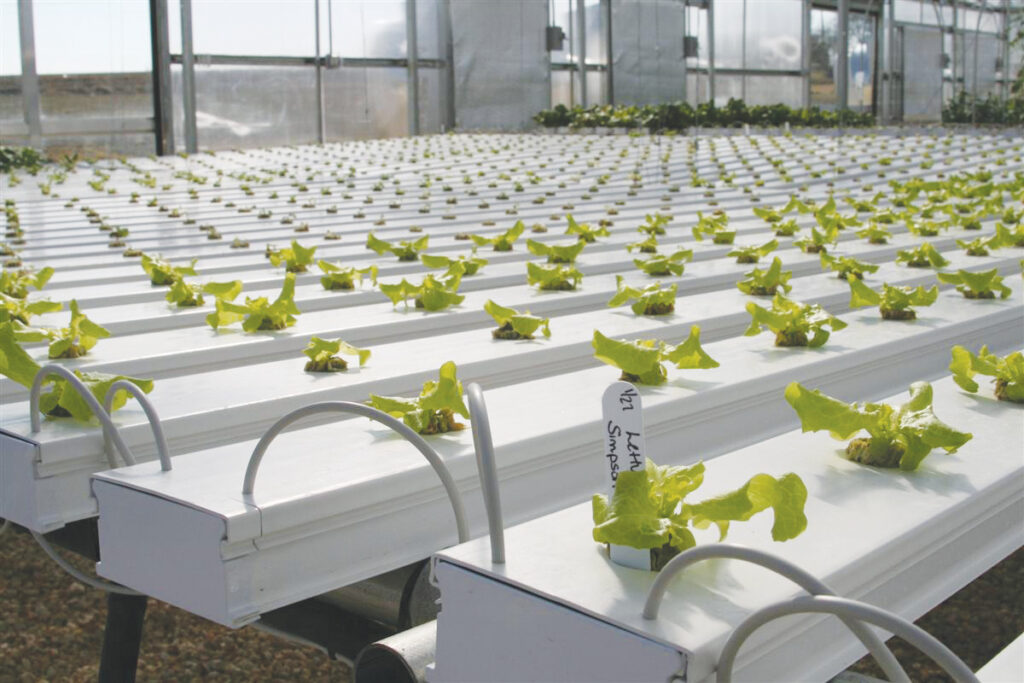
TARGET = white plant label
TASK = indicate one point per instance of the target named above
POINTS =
(624, 451)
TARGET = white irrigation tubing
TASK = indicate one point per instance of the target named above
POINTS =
(91, 581)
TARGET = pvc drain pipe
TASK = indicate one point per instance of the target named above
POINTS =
(402, 658)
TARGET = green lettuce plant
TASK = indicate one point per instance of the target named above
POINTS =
(1007, 372)
(337, 277)
(794, 323)
(846, 267)
(649, 509)
(648, 245)
(714, 226)
(982, 285)
(323, 355)
(769, 215)
(471, 265)
(434, 410)
(1010, 237)
(584, 231)
(753, 254)
(72, 341)
(432, 293)
(184, 294)
(163, 273)
(654, 224)
(898, 436)
(875, 234)
(296, 258)
(786, 228)
(513, 324)
(894, 303)
(818, 241)
(22, 310)
(61, 400)
(766, 282)
(640, 360)
(404, 251)
(553, 277)
(924, 256)
(925, 228)
(259, 313)
(651, 300)
(557, 253)
(502, 242)
(660, 265)
(15, 282)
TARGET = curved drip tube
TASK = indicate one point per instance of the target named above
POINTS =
(408, 434)
(486, 464)
(807, 581)
(847, 610)
(154, 420)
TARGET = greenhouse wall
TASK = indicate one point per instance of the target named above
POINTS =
(648, 66)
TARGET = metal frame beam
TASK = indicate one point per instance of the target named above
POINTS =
(412, 73)
(188, 79)
(447, 65)
(163, 110)
(609, 79)
(30, 97)
(581, 49)
(711, 52)
(321, 119)
(843, 54)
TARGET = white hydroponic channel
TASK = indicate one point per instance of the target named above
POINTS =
(348, 496)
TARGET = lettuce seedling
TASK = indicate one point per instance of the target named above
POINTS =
(513, 324)
(715, 227)
(403, 251)
(885, 216)
(640, 359)
(654, 224)
(61, 400)
(163, 273)
(651, 300)
(796, 204)
(1012, 217)
(769, 215)
(432, 294)
(259, 313)
(925, 228)
(897, 436)
(73, 341)
(753, 254)
(766, 282)
(1010, 237)
(557, 253)
(1007, 372)
(648, 245)
(846, 267)
(819, 240)
(875, 234)
(584, 231)
(22, 310)
(323, 355)
(924, 256)
(337, 277)
(296, 259)
(15, 283)
(187, 295)
(894, 303)
(434, 410)
(786, 228)
(982, 285)
(502, 242)
(977, 247)
(649, 510)
(470, 265)
(660, 265)
(794, 323)
(553, 277)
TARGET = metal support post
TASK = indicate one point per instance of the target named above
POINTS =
(29, 77)
(805, 51)
(163, 111)
(581, 48)
(843, 54)
(122, 637)
(321, 124)
(188, 79)
(743, 53)
(711, 51)
(609, 78)
(1005, 52)
(444, 33)
(413, 74)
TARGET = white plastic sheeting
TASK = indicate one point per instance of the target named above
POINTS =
(922, 77)
(647, 51)
(501, 65)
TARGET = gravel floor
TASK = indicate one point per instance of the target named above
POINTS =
(51, 629)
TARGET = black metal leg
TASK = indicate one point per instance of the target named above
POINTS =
(122, 637)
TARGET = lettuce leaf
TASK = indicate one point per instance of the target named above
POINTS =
(661, 264)
(162, 272)
(983, 285)
(1007, 372)
(296, 259)
(924, 256)
(794, 323)
(337, 277)
(651, 300)
(766, 282)
(584, 231)
(22, 310)
(502, 242)
(640, 359)
(323, 355)
(753, 254)
(846, 266)
(894, 303)
(470, 265)
(403, 251)
(259, 313)
(898, 436)
(433, 411)
(553, 277)
(433, 293)
(513, 324)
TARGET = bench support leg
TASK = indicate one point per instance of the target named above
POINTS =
(122, 637)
